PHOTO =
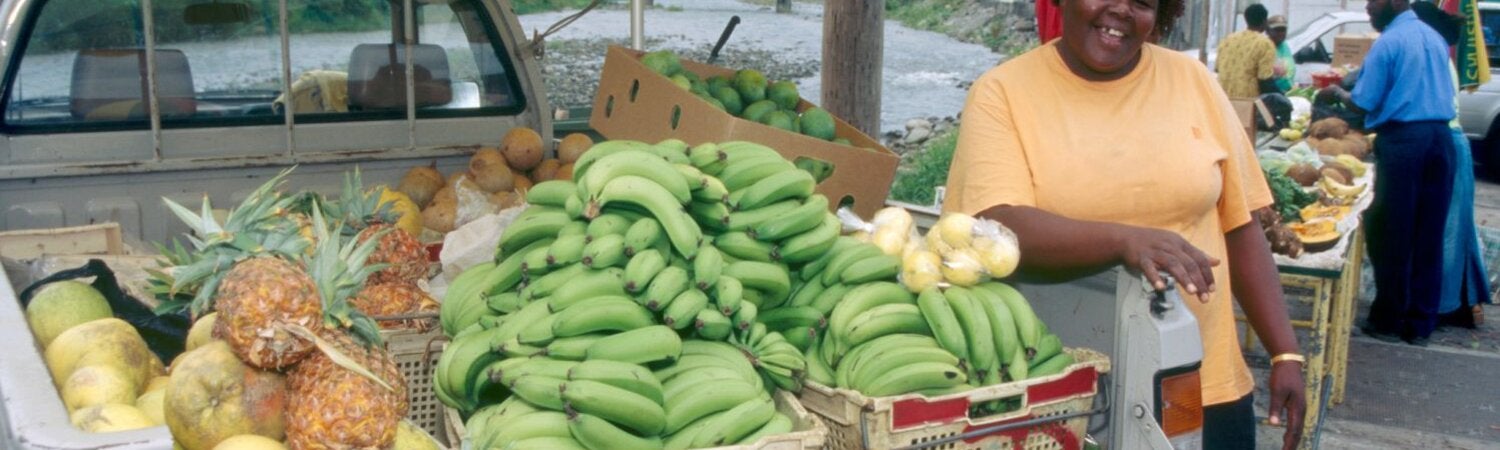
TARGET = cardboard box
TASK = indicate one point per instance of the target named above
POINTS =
(1350, 49)
(104, 238)
(636, 103)
(1244, 109)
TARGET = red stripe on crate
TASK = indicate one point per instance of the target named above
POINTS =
(1081, 381)
(1064, 438)
(909, 413)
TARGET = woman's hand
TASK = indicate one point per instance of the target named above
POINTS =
(1288, 393)
(1151, 251)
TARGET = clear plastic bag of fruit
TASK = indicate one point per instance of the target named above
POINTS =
(973, 249)
(890, 228)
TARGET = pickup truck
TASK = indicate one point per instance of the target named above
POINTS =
(111, 105)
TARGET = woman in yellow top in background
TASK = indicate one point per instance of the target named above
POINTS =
(1099, 149)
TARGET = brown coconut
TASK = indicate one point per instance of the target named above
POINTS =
(573, 146)
(440, 217)
(523, 183)
(421, 183)
(522, 148)
(564, 173)
(1329, 147)
(1305, 174)
(546, 170)
(1328, 128)
(1337, 172)
(1356, 145)
(508, 199)
(487, 168)
(444, 196)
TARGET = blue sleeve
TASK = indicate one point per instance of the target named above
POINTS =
(1374, 77)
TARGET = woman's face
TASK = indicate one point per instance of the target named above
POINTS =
(1102, 39)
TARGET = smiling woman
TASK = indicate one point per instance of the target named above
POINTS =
(1102, 149)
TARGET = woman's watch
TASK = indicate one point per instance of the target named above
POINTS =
(1288, 357)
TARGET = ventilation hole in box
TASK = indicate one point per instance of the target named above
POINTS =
(819, 169)
(609, 106)
(846, 202)
(676, 115)
(635, 88)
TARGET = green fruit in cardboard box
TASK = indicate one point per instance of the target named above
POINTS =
(682, 82)
(728, 97)
(818, 123)
(843, 141)
(784, 93)
(779, 119)
(713, 101)
(719, 81)
(663, 62)
(758, 110)
(751, 84)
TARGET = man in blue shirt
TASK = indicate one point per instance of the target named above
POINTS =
(1406, 91)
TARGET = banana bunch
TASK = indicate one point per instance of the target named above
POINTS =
(715, 397)
(592, 404)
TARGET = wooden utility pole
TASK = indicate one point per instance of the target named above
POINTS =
(783, 6)
(853, 53)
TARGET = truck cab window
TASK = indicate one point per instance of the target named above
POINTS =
(220, 64)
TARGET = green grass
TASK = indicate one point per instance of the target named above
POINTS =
(933, 15)
(925, 170)
(536, 6)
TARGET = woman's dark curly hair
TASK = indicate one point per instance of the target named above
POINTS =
(1167, 13)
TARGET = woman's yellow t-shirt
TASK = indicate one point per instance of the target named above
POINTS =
(1159, 148)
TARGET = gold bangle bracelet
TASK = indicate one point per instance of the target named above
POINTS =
(1288, 357)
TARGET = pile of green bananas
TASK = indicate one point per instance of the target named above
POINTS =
(650, 252)
(867, 333)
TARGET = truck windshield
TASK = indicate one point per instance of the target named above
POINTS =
(84, 68)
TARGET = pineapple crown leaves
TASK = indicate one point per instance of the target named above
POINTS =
(161, 280)
(337, 266)
(361, 207)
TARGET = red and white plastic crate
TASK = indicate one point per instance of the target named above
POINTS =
(859, 422)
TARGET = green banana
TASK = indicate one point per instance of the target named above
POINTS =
(642, 268)
(805, 295)
(799, 220)
(705, 399)
(697, 366)
(861, 299)
(1028, 326)
(788, 317)
(575, 207)
(506, 303)
(606, 224)
(740, 245)
(943, 323)
(835, 268)
(684, 309)
(1017, 370)
(712, 190)
(915, 377)
(585, 285)
(603, 149)
(880, 267)
(886, 319)
(1046, 348)
(665, 287)
(712, 324)
(735, 151)
(631, 377)
(710, 215)
(576, 228)
(817, 369)
(605, 251)
(734, 424)
(620, 406)
(543, 286)
(611, 167)
(596, 433)
(534, 425)
(468, 288)
(707, 267)
(755, 297)
(601, 314)
(551, 193)
(871, 368)
(541, 391)
(672, 151)
(976, 327)
(639, 346)
(743, 174)
(815, 265)
(705, 155)
(545, 443)
(574, 348)
(680, 228)
(538, 332)
(819, 169)
(801, 337)
(642, 235)
(844, 365)
(534, 262)
(827, 300)
(746, 316)
(1007, 339)
(750, 219)
(771, 279)
(778, 425)
(526, 230)
(789, 184)
(729, 293)
(692, 176)
(1052, 366)
(567, 249)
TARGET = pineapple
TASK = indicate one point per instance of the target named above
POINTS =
(350, 393)
(245, 269)
(365, 216)
(396, 299)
